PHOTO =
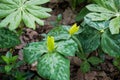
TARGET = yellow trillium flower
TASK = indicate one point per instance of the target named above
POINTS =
(102, 30)
(73, 29)
(50, 43)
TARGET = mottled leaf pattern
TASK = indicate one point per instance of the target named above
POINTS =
(53, 66)
(33, 51)
(67, 48)
(8, 39)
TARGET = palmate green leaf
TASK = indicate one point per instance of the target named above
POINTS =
(99, 25)
(94, 60)
(28, 11)
(33, 51)
(106, 10)
(115, 25)
(36, 2)
(110, 44)
(8, 39)
(53, 66)
(90, 39)
(99, 16)
(67, 48)
(98, 8)
(59, 33)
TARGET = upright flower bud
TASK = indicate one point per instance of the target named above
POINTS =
(73, 29)
(50, 43)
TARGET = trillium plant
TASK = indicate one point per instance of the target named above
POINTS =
(52, 53)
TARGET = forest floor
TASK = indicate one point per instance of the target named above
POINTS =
(104, 71)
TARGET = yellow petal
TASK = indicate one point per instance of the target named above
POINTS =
(73, 29)
(50, 43)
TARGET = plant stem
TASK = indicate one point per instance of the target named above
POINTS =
(79, 44)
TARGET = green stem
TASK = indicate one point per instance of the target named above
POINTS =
(79, 44)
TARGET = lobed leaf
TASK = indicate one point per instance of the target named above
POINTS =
(114, 25)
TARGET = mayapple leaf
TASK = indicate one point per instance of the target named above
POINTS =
(106, 10)
(114, 25)
(53, 66)
(110, 44)
(36, 2)
(33, 51)
(67, 48)
(8, 38)
(99, 16)
(99, 25)
(94, 60)
(12, 12)
(98, 8)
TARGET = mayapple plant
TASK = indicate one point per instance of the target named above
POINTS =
(51, 54)
(28, 11)
(105, 10)
(13, 13)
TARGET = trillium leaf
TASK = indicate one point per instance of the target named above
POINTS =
(54, 67)
(90, 39)
(59, 33)
(8, 39)
(67, 48)
(33, 51)
(110, 44)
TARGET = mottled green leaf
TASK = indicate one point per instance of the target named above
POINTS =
(53, 66)
(90, 39)
(33, 51)
(59, 33)
(8, 39)
(110, 44)
(67, 48)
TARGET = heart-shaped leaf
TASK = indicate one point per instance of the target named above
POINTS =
(53, 66)
(33, 51)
